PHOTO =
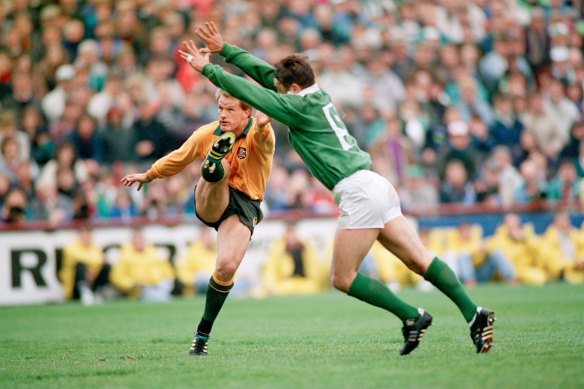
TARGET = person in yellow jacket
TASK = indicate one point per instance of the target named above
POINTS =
(475, 261)
(84, 271)
(292, 267)
(237, 152)
(562, 250)
(142, 272)
(521, 245)
(198, 263)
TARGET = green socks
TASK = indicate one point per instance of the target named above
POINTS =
(217, 292)
(442, 277)
(376, 293)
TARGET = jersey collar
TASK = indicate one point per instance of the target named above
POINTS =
(311, 89)
(244, 133)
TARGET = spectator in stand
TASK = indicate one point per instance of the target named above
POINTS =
(123, 207)
(572, 148)
(545, 124)
(521, 246)
(537, 40)
(67, 123)
(65, 156)
(292, 267)
(153, 140)
(118, 141)
(141, 272)
(14, 208)
(54, 102)
(395, 146)
(86, 140)
(416, 191)
(10, 158)
(456, 187)
(533, 187)
(41, 144)
(508, 176)
(481, 139)
(562, 250)
(565, 187)
(50, 206)
(506, 128)
(460, 149)
(198, 263)
(22, 93)
(475, 262)
(84, 272)
(100, 104)
(471, 101)
(563, 107)
(9, 129)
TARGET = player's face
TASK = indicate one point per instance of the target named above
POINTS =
(232, 117)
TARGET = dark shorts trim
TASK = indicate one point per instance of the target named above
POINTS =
(248, 210)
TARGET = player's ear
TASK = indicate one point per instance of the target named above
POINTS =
(295, 88)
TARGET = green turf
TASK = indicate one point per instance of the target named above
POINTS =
(329, 341)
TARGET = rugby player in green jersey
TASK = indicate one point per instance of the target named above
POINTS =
(368, 204)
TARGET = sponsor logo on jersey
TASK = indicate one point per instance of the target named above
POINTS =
(241, 153)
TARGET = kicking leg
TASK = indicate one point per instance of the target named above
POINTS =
(211, 198)
(232, 241)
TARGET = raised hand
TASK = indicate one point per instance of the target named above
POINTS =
(193, 56)
(141, 178)
(262, 119)
(209, 34)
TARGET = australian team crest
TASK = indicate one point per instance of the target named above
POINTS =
(241, 153)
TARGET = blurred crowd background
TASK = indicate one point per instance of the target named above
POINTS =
(458, 101)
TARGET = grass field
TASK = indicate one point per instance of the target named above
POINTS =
(323, 341)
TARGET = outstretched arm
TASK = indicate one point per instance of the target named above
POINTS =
(280, 107)
(254, 67)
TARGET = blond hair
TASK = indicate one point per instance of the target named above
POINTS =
(221, 93)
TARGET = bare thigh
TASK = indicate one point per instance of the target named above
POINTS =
(212, 198)
(350, 247)
(400, 237)
(232, 241)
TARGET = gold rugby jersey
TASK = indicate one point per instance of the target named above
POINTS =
(250, 158)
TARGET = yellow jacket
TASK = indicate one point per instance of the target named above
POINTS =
(198, 257)
(73, 254)
(139, 268)
(524, 255)
(474, 246)
(278, 272)
(552, 259)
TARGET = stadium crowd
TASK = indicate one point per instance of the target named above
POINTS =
(467, 102)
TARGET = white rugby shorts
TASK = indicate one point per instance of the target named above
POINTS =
(365, 200)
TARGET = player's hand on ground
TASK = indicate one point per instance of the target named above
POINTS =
(193, 56)
(262, 119)
(209, 34)
(141, 178)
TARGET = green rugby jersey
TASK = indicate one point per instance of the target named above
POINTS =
(316, 131)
